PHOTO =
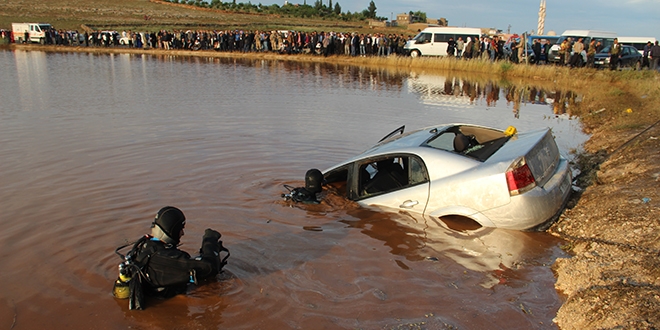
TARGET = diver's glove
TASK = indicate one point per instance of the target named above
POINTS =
(211, 235)
(210, 243)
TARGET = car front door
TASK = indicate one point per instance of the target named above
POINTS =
(392, 181)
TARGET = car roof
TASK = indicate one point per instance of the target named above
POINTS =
(410, 143)
(607, 49)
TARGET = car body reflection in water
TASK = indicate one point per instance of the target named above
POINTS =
(496, 255)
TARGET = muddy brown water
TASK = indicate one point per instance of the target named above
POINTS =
(93, 145)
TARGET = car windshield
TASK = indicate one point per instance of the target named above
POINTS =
(605, 50)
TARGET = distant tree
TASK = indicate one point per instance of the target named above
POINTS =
(419, 16)
(337, 9)
(371, 10)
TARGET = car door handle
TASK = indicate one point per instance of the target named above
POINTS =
(408, 204)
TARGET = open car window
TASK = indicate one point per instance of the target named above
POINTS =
(475, 142)
(386, 174)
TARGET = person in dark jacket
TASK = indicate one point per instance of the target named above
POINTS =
(161, 268)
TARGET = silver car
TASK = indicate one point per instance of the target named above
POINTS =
(497, 178)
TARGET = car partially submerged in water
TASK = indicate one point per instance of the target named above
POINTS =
(496, 178)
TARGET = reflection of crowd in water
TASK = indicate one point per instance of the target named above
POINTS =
(562, 102)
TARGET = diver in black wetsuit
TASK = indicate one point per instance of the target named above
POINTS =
(156, 267)
(307, 194)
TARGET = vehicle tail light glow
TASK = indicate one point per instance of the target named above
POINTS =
(519, 177)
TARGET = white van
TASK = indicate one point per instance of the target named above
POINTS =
(36, 32)
(637, 42)
(606, 39)
(432, 41)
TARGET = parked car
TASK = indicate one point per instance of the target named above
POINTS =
(496, 178)
(527, 49)
(630, 57)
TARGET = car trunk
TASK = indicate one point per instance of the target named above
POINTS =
(540, 152)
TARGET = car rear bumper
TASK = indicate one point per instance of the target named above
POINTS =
(537, 206)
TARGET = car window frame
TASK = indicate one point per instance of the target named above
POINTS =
(355, 188)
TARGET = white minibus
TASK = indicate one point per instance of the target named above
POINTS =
(637, 42)
(432, 41)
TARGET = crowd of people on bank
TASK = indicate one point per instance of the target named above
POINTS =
(573, 53)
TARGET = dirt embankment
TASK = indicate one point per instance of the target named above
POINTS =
(613, 279)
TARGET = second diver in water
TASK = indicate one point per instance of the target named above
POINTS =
(306, 194)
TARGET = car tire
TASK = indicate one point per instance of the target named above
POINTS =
(638, 66)
(122, 42)
(415, 53)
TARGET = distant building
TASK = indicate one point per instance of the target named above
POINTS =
(376, 23)
(403, 19)
(440, 22)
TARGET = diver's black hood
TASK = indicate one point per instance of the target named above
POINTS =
(314, 181)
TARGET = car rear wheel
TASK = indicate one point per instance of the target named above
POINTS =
(638, 65)
(415, 53)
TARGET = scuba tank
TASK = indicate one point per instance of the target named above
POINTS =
(121, 289)
(129, 281)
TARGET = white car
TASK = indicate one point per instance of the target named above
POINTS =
(497, 178)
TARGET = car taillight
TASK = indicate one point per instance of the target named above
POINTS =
(519, 178)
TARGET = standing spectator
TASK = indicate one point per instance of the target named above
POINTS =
(545, 50)
(500, 48)
(647, 52)
(460, 45)
(615, 52)
(536, 49)
(576, 58)
(476, 47)
(655, 56)
(451, 46)
(484, 48)
(469, 48)
(563, 49)
(591, 53)
(514, 51)
(599, 46)
(493, 48)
